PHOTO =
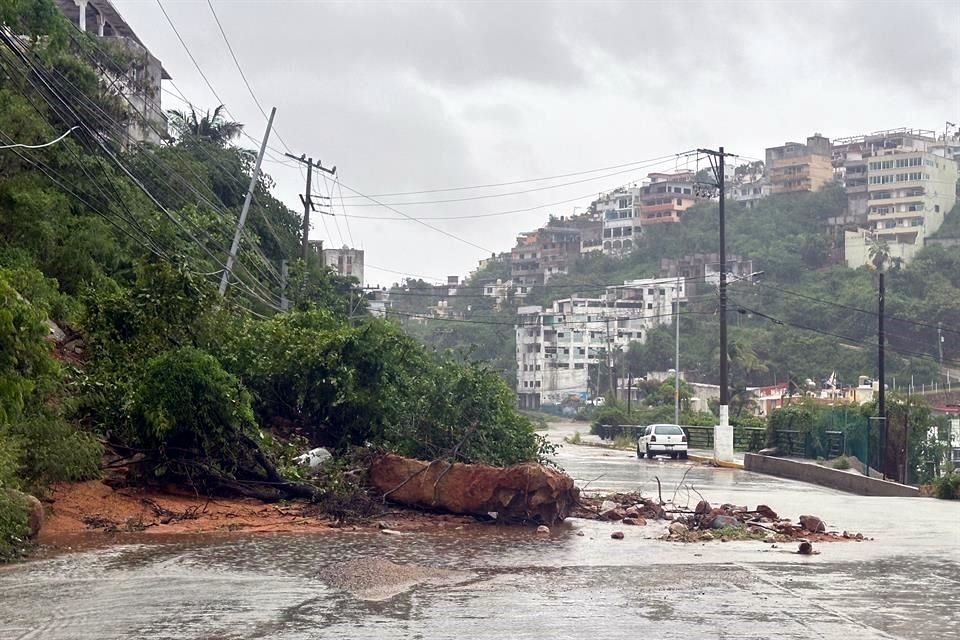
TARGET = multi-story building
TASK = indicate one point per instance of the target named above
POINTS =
(137, 78)
(751, 191)
(702, 270)
(345, 261)
(910, 189)
(619, 213)
(542, 254)
(799, 167)
(666, 196)
(559, 347)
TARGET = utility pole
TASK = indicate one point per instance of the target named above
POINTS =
(676, 364)
(940, 345)
(228, 271)
(307, 199)
(609, 365)
(881, 388)
(723, 437)
(630, 393)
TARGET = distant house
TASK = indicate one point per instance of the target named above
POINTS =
(137, 73)
(797, 167)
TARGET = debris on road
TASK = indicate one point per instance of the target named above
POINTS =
(520, 493)
(617, 535)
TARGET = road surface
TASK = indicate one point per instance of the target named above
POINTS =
(904, 584)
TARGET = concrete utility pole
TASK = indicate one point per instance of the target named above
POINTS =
(676, 364)
(723, 436)
(307, 199)
(284, 274)
(940, 347)
(881, 374)
(225, 278)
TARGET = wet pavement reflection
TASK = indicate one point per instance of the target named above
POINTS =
(904, 584)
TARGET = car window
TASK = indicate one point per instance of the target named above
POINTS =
(646, 431)
(669, 430)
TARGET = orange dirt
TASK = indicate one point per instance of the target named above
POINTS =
(93, 506)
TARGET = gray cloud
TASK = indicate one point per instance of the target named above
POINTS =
(419, 95)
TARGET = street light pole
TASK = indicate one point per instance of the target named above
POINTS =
(676, 363)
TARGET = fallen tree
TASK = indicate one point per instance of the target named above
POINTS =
(527, 492)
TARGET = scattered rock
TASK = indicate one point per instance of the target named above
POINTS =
(638, 522)
(391, 532)
(543, 530)
(770, 539)
(806, 549)
(706, 535)
(581, 533)
(633, 512)
(722, 522)
(766, 512)
(813, 524)
(608, 510)
(382, 525)
(166, 519)
(703, 507)
(678, 528)
(617, 535)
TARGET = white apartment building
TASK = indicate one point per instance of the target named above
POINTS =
(620, 218)
(908, 194)
(345, 261)
(559, 347)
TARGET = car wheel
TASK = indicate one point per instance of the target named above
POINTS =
(650, 454)
(673, 456)
(639, 453)
(683, 455)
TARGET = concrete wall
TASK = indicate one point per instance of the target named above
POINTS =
(824, 476)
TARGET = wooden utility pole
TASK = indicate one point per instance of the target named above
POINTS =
(307, 199)
(228, 271)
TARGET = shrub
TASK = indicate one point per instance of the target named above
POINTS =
(574, 439)
(842, 463)
(51, 450)
(13, 526)
(947, 487)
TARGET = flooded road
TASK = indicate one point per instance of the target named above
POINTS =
(512, 584)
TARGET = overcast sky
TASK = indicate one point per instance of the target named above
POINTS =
(420, 96)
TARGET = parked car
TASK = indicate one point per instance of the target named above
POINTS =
(662, 439)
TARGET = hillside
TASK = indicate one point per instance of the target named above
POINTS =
(805, 316)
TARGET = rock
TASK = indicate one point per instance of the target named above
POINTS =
(524, 492)
(813, 524)
(314, 458)
(543, 530)
(609, 510)
(706, 535)
(703, 507)
(732, 508)
(34, 511)
(166, 519)
(858, 537)
(392, 532)
(617, 535)
(633, 512)
(722, 522)
(766, 512)
(581, 533)
(805, 549)
(637, 522)
(769, 451)
(382, 525)
(678, 528)
(770, 539)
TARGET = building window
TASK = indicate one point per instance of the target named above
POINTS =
(537, 383)
(578, 365)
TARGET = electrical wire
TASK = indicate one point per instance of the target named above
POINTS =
(40, 146)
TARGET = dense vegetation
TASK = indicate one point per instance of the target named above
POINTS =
(120, 245)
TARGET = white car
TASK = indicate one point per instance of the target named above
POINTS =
(656, 439)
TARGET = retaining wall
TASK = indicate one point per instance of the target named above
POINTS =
(826, 477)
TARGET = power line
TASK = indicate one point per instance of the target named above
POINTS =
(490, 214)
(419, 221)
(566, 323)
(39, 146)
(514, 182)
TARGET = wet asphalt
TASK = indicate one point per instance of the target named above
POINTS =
(903, 584)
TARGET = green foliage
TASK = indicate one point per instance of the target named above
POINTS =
(576, 438)
(26, 369)
(947, 486)
(51, 450)
(192, 418)
(13, 526)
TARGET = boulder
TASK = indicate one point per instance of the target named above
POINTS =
(34, 511)
(706, 535)
(766, 512)
(543, 530)
(637, 522)
(617, 535)
(520, 493)
(703, 507)
(678, 528)
(813, 524)
(722, 522)
(805, 549)
(633, 512)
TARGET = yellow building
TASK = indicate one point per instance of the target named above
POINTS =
(799, 167)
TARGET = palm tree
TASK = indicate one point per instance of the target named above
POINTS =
(211, 127)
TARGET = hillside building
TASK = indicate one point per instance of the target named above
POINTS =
(619, 213)
(796, 167)
(666, 196)
(542, 254)
(558, 348)
(345, 261)
(138, 78)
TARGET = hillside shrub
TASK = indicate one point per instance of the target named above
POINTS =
(947, 487)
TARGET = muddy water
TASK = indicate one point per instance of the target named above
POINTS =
(512, 584)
